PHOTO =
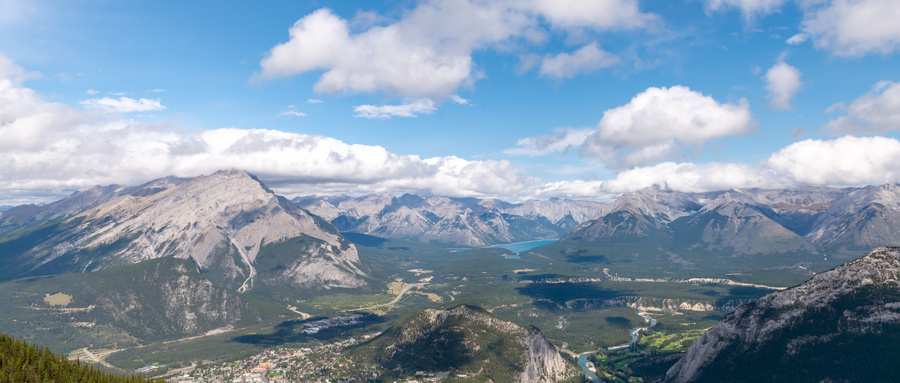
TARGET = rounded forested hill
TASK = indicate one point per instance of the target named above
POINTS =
(21, 362)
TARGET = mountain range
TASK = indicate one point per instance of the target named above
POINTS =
(813, 228)
(180, 257)
(461, 222)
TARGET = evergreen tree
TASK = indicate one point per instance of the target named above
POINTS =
(24, 363)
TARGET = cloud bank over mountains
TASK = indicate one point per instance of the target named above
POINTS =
(51, 146)
(416, 60)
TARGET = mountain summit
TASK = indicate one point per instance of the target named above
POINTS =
(228, 223)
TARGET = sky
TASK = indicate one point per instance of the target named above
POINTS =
(516, 100)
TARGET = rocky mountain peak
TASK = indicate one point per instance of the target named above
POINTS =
(222, 221)
(663, 205)
(851, 307)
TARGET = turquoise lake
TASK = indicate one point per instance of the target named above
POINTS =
(523, 246)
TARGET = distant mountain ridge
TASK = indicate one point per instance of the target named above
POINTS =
(842, 325)
(465, 222)
(823, 221)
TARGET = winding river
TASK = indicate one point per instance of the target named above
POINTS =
(635, 335)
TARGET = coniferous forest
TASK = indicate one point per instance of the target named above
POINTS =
(21, 362)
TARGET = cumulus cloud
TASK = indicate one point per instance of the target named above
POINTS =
(576, 189)
(609, 14)
(584, 60)
(844, 27)
(428, 52)
(662, 123)
(750, 9)
(563, 140)
(49, 146)
(410, 109)
(782, 82)
(873, 113)
(854, 27)
(845, 161)
(848, 160)
(124, 104)
(390, 58)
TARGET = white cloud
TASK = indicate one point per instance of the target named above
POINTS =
(797, 39)
(157, 90)
(607, 14)
(92, 92)
(690, 177)
(459, 100)
(874, 113)
(124, 104)
(563, 141)
(854, 27)
(576, 189)
(313, 101)
(662, 123)
(428, 52)
(750, 9)
(49, 146)
(584, 60)
(782, 82)
(410, 109)
(385, 59)
(844, 161)
(291, 112)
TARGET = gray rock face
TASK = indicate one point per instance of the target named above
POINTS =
(543, 362)
(465, 222)
(863, 218)
(854, 305)
(223, 222)
(80, 201)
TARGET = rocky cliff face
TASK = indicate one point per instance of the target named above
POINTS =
(465, 222)
(227, 223)
(469, 341)
(842, 325)
(80, 201)
(862, 219)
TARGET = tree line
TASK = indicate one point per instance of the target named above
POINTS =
(21, 362)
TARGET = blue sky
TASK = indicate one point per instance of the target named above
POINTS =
(516, 100)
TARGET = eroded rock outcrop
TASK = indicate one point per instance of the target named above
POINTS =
(842, 325)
